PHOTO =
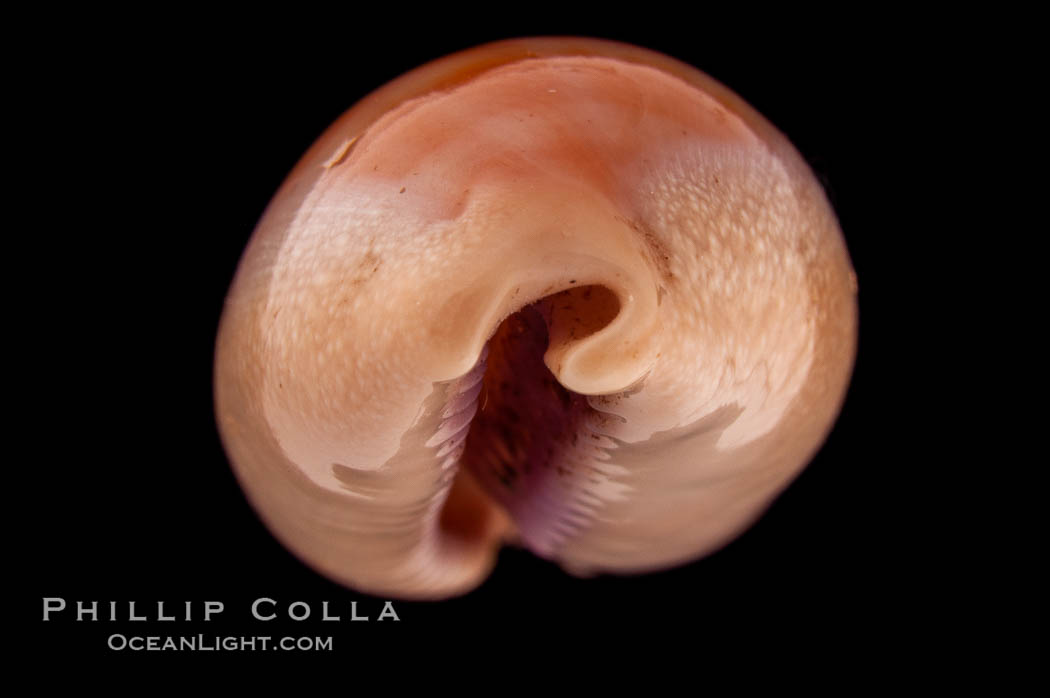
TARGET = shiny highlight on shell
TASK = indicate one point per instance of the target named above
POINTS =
(566, 294)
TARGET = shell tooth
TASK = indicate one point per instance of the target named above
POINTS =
(453, 425)
(466, 399)
(454, 443)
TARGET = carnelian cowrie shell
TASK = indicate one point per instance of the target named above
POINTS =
(564, 293)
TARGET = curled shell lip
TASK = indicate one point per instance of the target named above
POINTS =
(564, 293)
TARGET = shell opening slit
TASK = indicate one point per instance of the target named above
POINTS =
(530, 444)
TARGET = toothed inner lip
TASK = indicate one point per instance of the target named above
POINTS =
(531, 444)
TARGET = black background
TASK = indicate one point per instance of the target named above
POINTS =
(163, 146)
